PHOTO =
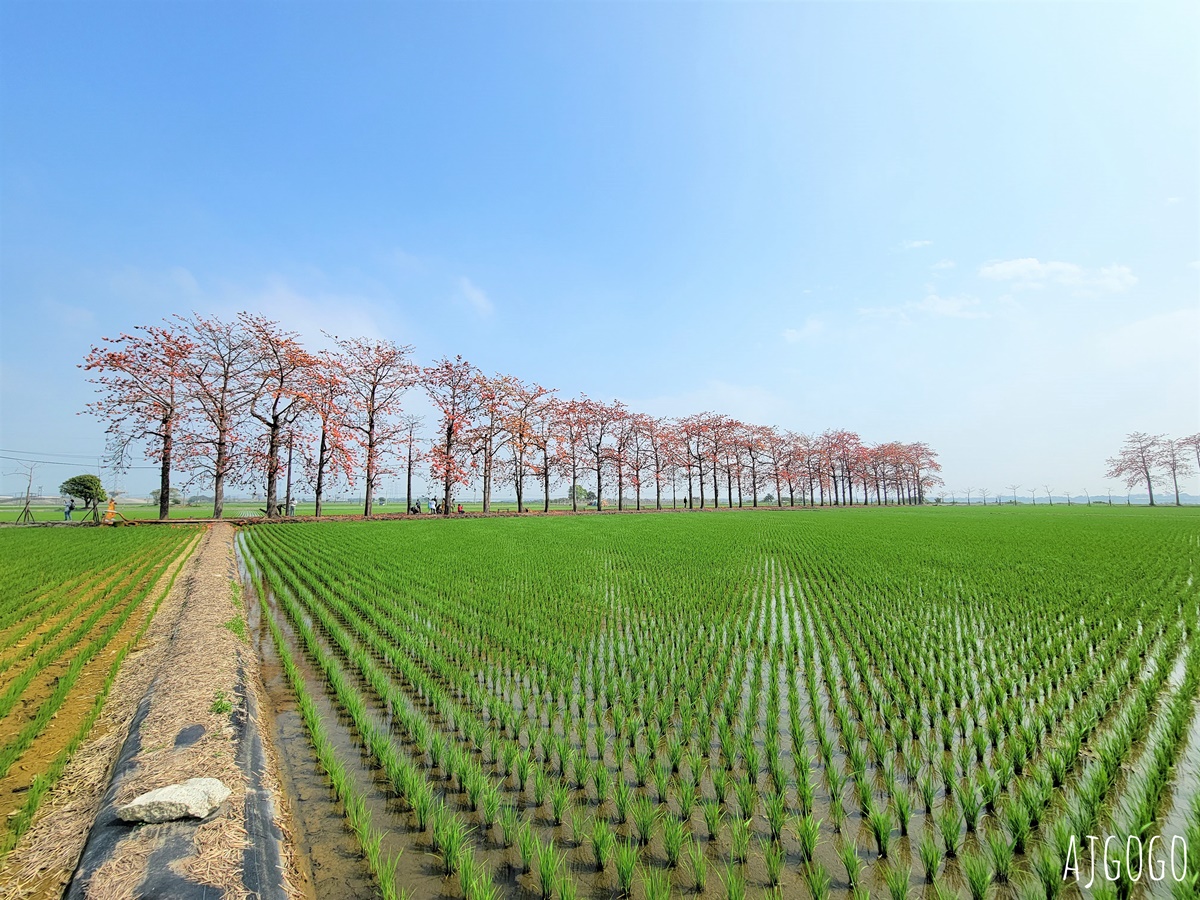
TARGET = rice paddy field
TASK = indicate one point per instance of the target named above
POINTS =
(73, 602)
(886, 702)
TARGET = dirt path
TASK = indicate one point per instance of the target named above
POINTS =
(190, 693)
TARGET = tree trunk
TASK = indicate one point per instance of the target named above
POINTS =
(1175, 478)
(408, 488)
(272, 471)
(598, 486)
(574, 486)
(520, 485)
(368, 503)
(546, 478)
(487, 479)
(218, 481)
(164, 482)
(320, 490)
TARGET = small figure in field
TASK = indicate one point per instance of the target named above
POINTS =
(68, 508)
(431, 506)
(460, 509)
(438, 508)
(112, 511)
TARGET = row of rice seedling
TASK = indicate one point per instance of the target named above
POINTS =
(52, 660)
(810, 704)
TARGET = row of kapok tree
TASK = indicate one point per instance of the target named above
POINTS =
(228, 401)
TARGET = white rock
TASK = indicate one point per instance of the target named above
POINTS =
(196, 797)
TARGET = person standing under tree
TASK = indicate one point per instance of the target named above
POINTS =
(68, 508)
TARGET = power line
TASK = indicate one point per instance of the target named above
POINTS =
(48, 453)
(55, 462)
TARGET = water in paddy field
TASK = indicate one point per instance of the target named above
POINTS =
(336, 869)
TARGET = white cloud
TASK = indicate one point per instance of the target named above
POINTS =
(1031, 273)
(932, 304)
(475, 297)
(811, 328)
(943, 264)
(1171, 201)
(914, 245)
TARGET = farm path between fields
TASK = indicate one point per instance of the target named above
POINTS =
(184, 705)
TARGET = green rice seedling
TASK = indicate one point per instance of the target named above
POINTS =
(989, 790)
(622, 798)
(699, 865)
(837, 811)
(423, 806)
(641, 767)
(739, 834)
(1016, 820)
(746, 792)
(662, 782)
(657, 883)
(580, 769)
(688, 797)
(942, 891)
(600, 781)
(602, 843)
(451, 841)
(713, 816)
(897, 880)
(468, 869)
(509, 755)
(479, 887)
(750, 755)
(560, 800)
(696, 766)
(805, 794)
(978, 873)
(949, 825)
(1048, 869)
(566, 887)
(928, 791)
(673, 834)
(540, 785)
(902, 803)
(775, 811)
(490, 806)
(880, 823)
(848, 853)
(735, 883)
(549, 863)
(818, 880)
(808, 832)
(1001, 853)
(971, 805)
(578, 826)
(865, 792)
(645, 816)
(675, 753)
(931, 856)
(947, 769)
(509, 822)
(773, 857)
(626, 863)
(527, 844)
(523, 767)
(720, 784)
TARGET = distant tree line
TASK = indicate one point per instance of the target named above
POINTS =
(229, 401)
(1150, 459)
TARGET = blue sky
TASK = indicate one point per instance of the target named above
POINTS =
(971, 224)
